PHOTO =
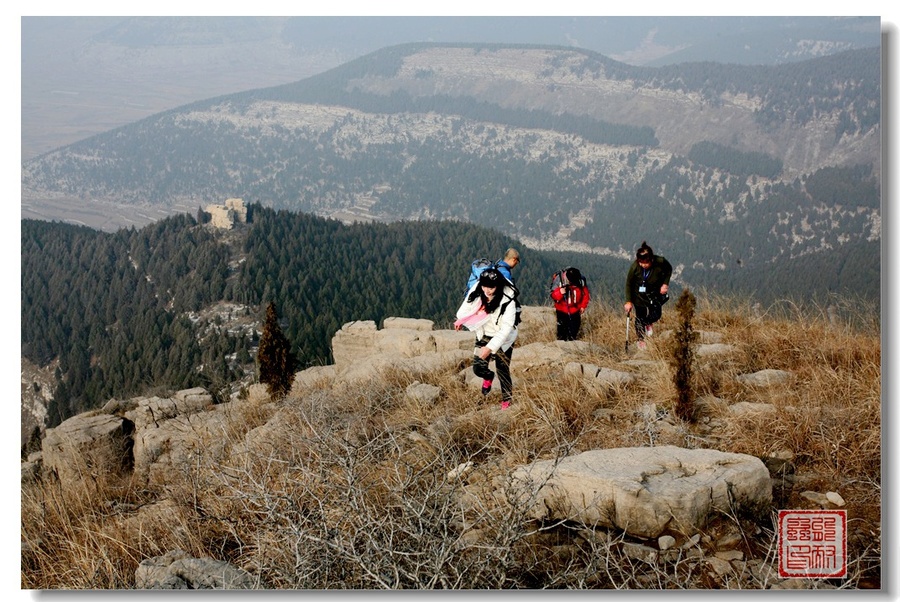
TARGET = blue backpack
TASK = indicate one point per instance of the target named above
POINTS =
(478, 266)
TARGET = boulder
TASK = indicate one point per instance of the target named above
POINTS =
(453, 340)
(764, 378)
(400, 337)
(86, 444)
(423, 394)
(312, 378)
(708, 337)
(167, 445)
(364, 372)
(644, 491)
(596, 376)
(403, 342)
(265, 440)
(554, 353)
(714, 350)
(353, 341)
(178, 570)
(119, 406)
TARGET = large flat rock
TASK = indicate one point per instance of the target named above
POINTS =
(644, 491)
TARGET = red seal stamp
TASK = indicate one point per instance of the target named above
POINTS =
(812, 544)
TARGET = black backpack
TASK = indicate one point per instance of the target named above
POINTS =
(560, 278)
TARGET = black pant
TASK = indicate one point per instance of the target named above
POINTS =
(567, 325)
(501, 364)
(644, 315)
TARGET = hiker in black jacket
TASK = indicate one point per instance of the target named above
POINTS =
(646, 289)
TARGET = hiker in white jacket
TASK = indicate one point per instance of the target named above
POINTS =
(489, 310)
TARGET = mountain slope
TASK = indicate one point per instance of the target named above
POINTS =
(560, 148)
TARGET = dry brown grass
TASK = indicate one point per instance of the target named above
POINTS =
(352, 491)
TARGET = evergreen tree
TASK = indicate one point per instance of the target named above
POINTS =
(276, 362)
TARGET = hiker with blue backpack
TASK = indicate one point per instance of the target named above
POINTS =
(509, 261)
(505, 266)
(489, 310)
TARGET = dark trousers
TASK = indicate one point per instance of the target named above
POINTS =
(501, 364)
(567, 325)
(644, 315)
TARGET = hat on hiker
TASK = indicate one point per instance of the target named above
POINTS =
(490, 277)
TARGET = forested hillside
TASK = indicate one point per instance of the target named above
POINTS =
(123, 311)
(709, 218)
(848, 274)
(113, 308)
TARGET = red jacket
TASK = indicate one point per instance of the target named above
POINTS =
(571, 299)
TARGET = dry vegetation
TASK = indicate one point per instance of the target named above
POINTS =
(355, 488)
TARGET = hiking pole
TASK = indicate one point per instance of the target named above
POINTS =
(627, 328)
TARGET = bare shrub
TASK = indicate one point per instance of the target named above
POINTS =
(682, 355)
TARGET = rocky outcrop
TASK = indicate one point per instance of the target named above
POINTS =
(37, 392)
(146, 435)
(169, 431)
(153, 411)
(164, 446)
(553, 353)
(400, 337)
(595, 376)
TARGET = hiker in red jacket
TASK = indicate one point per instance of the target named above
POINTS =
(571, 295)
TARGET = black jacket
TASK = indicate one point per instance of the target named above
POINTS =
(651, 279)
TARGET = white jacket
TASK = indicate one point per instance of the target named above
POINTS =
(501, 323)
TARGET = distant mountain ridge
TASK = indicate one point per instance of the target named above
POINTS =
(561, 148)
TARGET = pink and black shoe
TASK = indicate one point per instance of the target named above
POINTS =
(486, 386)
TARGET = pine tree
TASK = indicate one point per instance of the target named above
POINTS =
(275, 361)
